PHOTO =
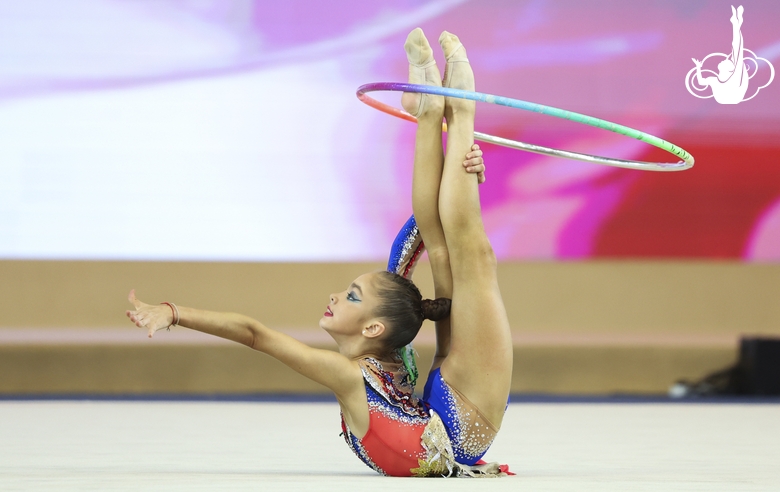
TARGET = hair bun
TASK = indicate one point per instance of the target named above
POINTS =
(436, 309)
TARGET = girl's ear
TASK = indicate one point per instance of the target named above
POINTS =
(374, 330)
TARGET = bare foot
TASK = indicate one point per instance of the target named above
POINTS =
(422, 70)
(458, 74)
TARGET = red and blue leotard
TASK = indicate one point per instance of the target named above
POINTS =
(397, 419)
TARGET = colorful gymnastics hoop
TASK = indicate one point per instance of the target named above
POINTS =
(685, 163)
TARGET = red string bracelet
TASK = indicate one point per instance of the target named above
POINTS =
(175, 311)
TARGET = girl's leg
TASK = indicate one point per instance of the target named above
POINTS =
(428, 162)
(479, 364)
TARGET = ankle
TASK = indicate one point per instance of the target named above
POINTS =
(430, 118)
(432, 110)
(457, 112)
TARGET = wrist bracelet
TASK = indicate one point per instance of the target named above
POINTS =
(175, 311)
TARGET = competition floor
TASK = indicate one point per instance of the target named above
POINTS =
(250, 445)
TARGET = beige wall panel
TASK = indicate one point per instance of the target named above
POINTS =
(593, 327)
(624, 297)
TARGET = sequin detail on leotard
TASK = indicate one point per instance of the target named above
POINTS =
(404, 436)
(471, 432)
(397, 419)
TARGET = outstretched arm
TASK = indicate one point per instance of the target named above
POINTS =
(326, 367)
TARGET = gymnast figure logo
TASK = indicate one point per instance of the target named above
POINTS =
(735, 70)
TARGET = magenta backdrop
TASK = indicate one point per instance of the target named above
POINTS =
(229, 130)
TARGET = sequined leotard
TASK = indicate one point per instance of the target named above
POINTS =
(397, 420)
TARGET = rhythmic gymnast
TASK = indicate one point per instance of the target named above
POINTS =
(465, 397)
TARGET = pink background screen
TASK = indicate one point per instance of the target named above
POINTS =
(214, 130)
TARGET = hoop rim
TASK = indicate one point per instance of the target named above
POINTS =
(686, 162)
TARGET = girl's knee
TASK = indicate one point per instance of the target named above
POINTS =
(478, 253)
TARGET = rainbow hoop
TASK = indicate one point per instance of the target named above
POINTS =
(685, 163)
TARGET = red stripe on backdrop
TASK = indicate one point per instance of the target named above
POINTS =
(706, 212)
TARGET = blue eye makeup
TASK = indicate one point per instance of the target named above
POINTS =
(351, 297)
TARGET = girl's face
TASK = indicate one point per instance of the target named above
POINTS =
(351, 311)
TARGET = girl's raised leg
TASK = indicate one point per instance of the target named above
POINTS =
(428, 163)
(479, 364)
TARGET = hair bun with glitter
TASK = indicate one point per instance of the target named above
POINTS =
(436, 309)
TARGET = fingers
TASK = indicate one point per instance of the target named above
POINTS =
(474, 168)
(474, 157)
(133, 315)
(475, 164)
(144, 316)
(136, 318)
(141, 320)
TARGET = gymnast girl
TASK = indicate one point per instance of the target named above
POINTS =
(448, 431)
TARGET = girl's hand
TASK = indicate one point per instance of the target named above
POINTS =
(475, 164)
(153, 318)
